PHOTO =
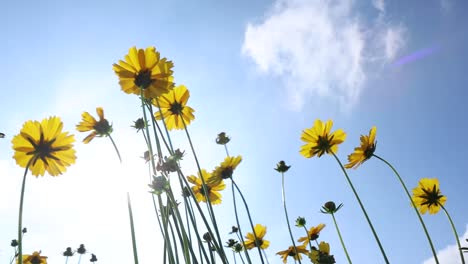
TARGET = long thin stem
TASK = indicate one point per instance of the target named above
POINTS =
(225, 148)
(341, 238)
(132, 229)
(240, 234)
(115, 147)
(307, 235)
(250, 220)
(455, 234)
(434, 253)
(286, 214)
(363, 209)
(266, 257)
(20, 216)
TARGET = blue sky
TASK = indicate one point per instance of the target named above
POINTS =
(262, 72)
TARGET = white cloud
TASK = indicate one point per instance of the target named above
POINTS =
(450, 254)
(379, 5)
(321, 48)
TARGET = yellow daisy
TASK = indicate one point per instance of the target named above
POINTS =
(100, 128)
(322, 255)
(44, 147)
(290, 252)
(213, 189)
(312, 234)
(427, 196)
(174, 108)
(144, 69)
(319, 140)
(225, 170)
(260, 232)
(364, 152)
(35, 258)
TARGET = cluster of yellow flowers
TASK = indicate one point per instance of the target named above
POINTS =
(43, 147)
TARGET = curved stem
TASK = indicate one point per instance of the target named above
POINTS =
(362, 208)
(287, 218)
(115, 147)
(132, 229)
(434, 253)
(250, 219)
(307, 235)
(455, 234)
(341, 239)
(20, 216)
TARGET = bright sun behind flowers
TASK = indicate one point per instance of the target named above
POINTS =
(44, 147)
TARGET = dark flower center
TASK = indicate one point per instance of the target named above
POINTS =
(143, 79)
(226, 173)
(202, 189)
(102, 127)
(323, 143)
(258, 242)
(291, 253)
(35, 260)
(369, 151)
(432, 197)
(176, 108)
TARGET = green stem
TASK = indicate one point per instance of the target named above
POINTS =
(454, 233)
(362, 207)
(341, 238)
(115, 147)
(286, 214)
(225, 148)
(20, 216)
(132, 229)
(250, 219)
(307, 235)
(266, 257)
(434, 253)
(240, 234)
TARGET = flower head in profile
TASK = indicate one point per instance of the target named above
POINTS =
(212, 190)
(281, 167)
(260, 232)
(174, 108)
(363, 152)
(44, 147)
(330, 208)
(322, 254)
(319, 140)
(35, 258)
(291, 252)
(89, 123)
(427, 196)
(312, 234)
(144, 69)
(139, 124)
(225, 169)
(159, 185)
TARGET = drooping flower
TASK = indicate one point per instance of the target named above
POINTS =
(174, 108)
(35, 258)
(312, 234)
(427, 196)
(322, 254)
(144, 69)
(363, 152)
(89, 123)
(44, 147)
(319, 140)
(225, 169)
(212, 189)
(291, 252)
(260, 232)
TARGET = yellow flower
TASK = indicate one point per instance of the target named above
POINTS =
(319, 140)
(174, 108)
(364, 152)
(45, 146)
(260, 232)
(313, 234)
(212, 188)
(100, 128)
(290, 252)
(427, 196)
(35, 258)
(322, 255)
(144, 69)
(225, 170)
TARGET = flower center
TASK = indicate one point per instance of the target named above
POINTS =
(258, 242)
(202, 189)
(102, 127)
(176, 108)
(323, 143)
(291, 253)
(35, 260)
(143, 79)
(226, 173)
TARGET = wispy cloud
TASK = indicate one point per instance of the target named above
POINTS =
(322, 49)
(450, 254)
